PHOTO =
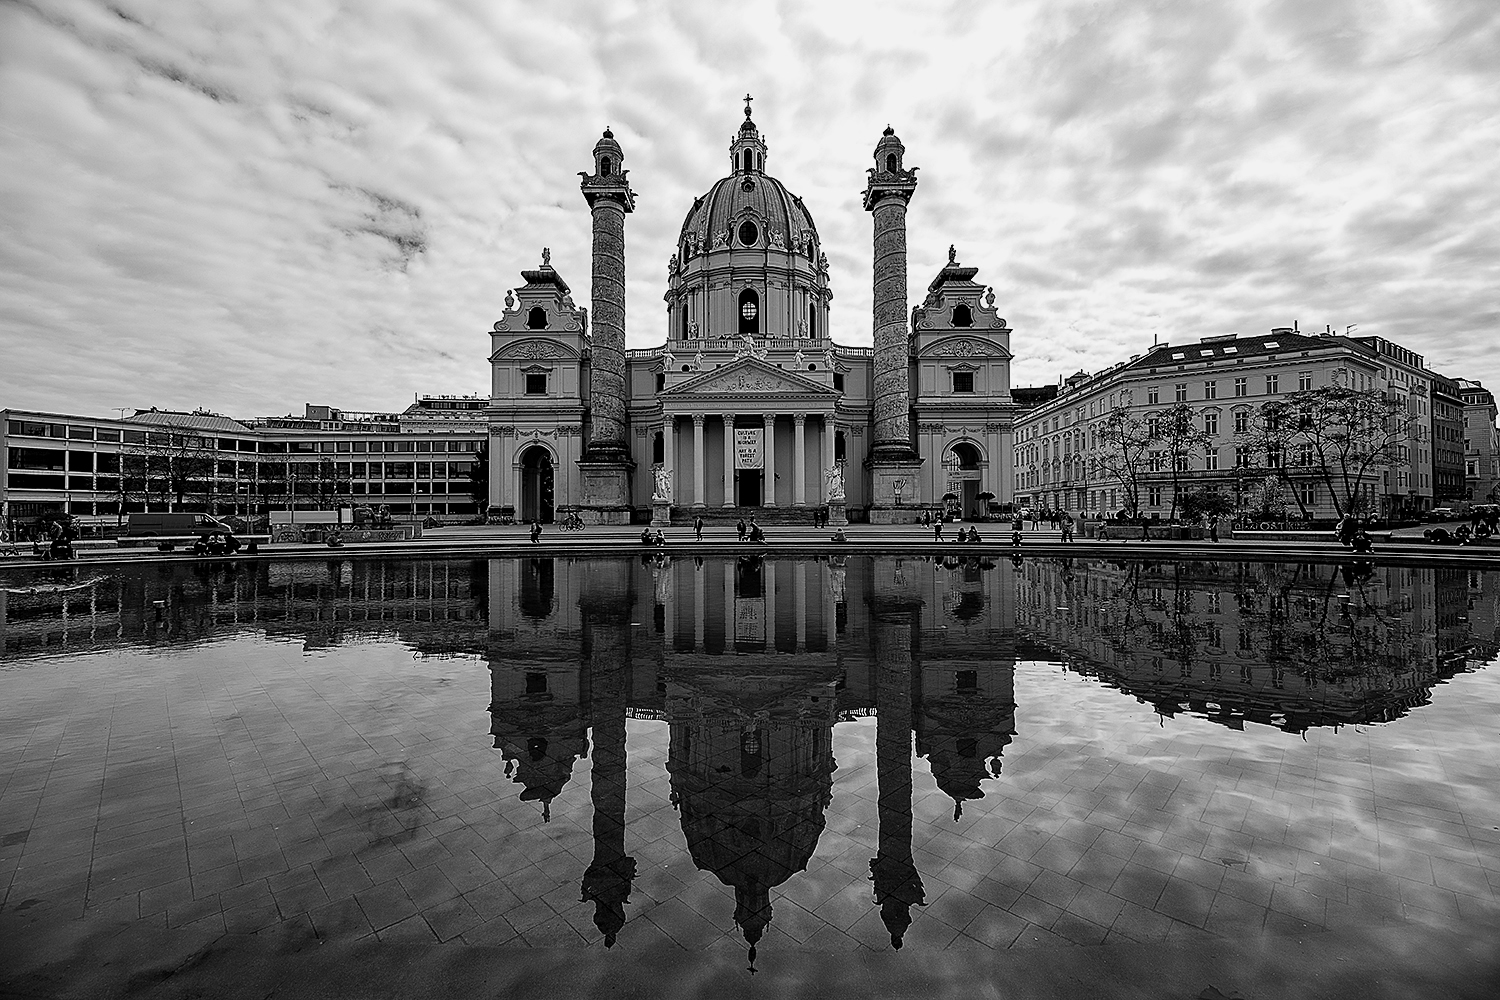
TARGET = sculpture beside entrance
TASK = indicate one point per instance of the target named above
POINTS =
(833, 482)
(663, 491)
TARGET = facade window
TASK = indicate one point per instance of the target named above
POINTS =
(1211, 459)
(749, 234)
(1153, 395)
(963, 381)
(1304, 381)
(536, 383)
(1307, 493)
(1155, 461)
(838, 382)
(1273, 384)
(1241, 421)
(1242, 457)
(1211, 424)
(1304, 454)
(1211, 389)
(812, 320)
(749, 310)
(1273, 458)
(1181, 392)
(962, 316)
(1153, 496)
(1242, 387)
(536, 318)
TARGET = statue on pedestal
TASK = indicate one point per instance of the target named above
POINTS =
(833, 482)
(663, 491)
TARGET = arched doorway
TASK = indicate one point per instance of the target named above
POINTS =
(536, 485)
(964, 478)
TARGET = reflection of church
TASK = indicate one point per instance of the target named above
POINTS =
(749, 402)
(751, 663)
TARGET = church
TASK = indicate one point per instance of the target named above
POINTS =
(749, 407)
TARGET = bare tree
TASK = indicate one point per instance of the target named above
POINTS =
(1123, 443)
(168, 467)
(1179, 434)
(1339, 437)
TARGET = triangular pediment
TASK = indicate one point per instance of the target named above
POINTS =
(962, 346)
(749, 377)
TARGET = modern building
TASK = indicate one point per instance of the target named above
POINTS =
(418, 462)
(749, 405)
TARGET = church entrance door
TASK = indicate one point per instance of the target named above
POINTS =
(750, 488)
(536, 485)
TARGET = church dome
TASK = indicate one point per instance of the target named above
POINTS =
(751, 196)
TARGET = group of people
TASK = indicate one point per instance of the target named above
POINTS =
(647, 538)
(1351, 534)
(751, 532)
(216, 544)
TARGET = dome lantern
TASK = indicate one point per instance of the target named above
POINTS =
(747, 153)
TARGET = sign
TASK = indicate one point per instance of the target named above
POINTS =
(749, 619)
(749, 447)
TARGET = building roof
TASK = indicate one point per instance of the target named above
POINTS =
(1029, 396)
(1276, 342)
(200, 420)
(765, 197)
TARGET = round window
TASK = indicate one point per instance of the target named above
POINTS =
(747, 309)
(749, 234)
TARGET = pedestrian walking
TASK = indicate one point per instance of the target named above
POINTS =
(1065, 520)
(740, 528)
(937, 530)
(536, 532)
(1213, 527)
(698, 527)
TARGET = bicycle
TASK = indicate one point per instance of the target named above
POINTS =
(572, 522)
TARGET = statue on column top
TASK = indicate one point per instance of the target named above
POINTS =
(546, 256)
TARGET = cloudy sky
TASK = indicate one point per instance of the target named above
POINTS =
(248, 205)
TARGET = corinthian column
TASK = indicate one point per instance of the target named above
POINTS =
(893, 463)
(606, 460)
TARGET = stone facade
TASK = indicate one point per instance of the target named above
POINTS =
(750, 405)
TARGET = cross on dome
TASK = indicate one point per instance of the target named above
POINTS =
(748, 99)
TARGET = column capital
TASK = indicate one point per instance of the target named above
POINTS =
(698, 419)
(799, 419)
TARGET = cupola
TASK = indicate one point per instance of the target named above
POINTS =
(747, 153)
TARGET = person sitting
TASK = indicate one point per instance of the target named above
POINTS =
(756, 534)
(839, 536)
(974, 538)
(200, 547)
(645, 536)
(1361, 541)
(658, 538)
(334, 539)
(1462, 534)
(231, 544)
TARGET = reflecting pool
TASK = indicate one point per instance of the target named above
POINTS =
(752, 763)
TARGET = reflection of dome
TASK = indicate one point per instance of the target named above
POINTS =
(539, 753)
(742, 195)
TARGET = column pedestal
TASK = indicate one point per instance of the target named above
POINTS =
(606, 490)
(895, 490)
(837, 514)
(661, 513)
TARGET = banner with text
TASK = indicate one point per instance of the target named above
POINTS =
(748, 447)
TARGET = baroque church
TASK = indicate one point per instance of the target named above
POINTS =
(749, 406)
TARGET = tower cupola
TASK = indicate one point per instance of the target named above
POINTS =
(747, 153)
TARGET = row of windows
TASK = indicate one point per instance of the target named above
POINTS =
(74, 432)
(111, 484)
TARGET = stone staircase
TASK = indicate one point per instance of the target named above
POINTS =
(764, 516)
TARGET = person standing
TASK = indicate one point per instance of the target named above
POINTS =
(698, 527)
(937, 530)
(536, 532)
(1213, 527)
(1065, 521)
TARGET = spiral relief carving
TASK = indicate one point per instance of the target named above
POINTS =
(607, 373)
(892, 406)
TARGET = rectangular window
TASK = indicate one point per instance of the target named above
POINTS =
(838, 382)
(108, 435)
(1273, 383)
(108, 462)
(1153, 395)
(398, 470)
(1211, 459)
(1154, 460)
(1304, 381)
(357, 470)
(1242, 387)
(1308, 494)
(424, 470)
(80, 433)
(1211, 424)
(536, 383)
(1242, 457)
(1242, 421)
(1153, 496)
(963, 381)
(1211, 389)
(38, 459)
(1181, 388)
(80, 461)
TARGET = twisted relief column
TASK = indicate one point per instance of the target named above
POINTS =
(893, 463)
(606, 462)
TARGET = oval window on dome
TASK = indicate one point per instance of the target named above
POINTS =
(749, 234)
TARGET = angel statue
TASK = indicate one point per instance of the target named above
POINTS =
(828, 358)
(663, 491)
(833, 481)
(800, 359)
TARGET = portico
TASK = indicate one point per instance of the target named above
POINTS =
(748, 434)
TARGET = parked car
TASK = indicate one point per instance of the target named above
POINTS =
(1444, 514)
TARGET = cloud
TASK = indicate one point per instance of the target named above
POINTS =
(250, 207)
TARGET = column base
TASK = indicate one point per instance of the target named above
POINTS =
(895, 489)
(606, 491)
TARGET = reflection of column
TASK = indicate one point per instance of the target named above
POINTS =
(698, 497)
(768, 588)
(700, 610)
(729, 622)
(799, 601)
(799, 456)
(607, 880)
(729, 460)
(898, 884)
(768, 497)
